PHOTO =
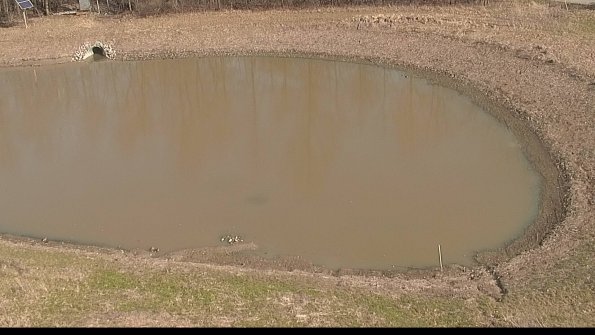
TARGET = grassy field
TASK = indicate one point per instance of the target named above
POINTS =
(41, 287)
(54, 288)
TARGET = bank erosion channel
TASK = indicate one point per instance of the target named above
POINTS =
(343, 164)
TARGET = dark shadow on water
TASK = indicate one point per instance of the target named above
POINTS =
(97, 58)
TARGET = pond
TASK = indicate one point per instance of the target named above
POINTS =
(346, 165)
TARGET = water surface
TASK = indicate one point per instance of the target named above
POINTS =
(343, 164)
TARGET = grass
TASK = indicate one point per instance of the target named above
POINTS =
(587, 26)
(561, 296)
(66, 290)
(53, 288)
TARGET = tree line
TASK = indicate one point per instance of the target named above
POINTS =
(9, 8)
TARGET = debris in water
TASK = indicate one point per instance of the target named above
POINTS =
(232, 239)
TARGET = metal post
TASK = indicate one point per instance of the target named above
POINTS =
(25, 18)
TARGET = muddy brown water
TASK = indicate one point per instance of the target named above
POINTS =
(343, 164)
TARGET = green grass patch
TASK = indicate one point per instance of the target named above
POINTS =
(51, 288)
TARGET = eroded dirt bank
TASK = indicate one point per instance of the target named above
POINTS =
(531, 65)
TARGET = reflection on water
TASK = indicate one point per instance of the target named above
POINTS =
(344, 164)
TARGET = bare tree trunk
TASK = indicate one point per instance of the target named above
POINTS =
(35, 7)
(5, 7)
(46, 4)
(107, 1)
(129, 6)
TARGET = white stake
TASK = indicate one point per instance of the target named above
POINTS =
(440, 255)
